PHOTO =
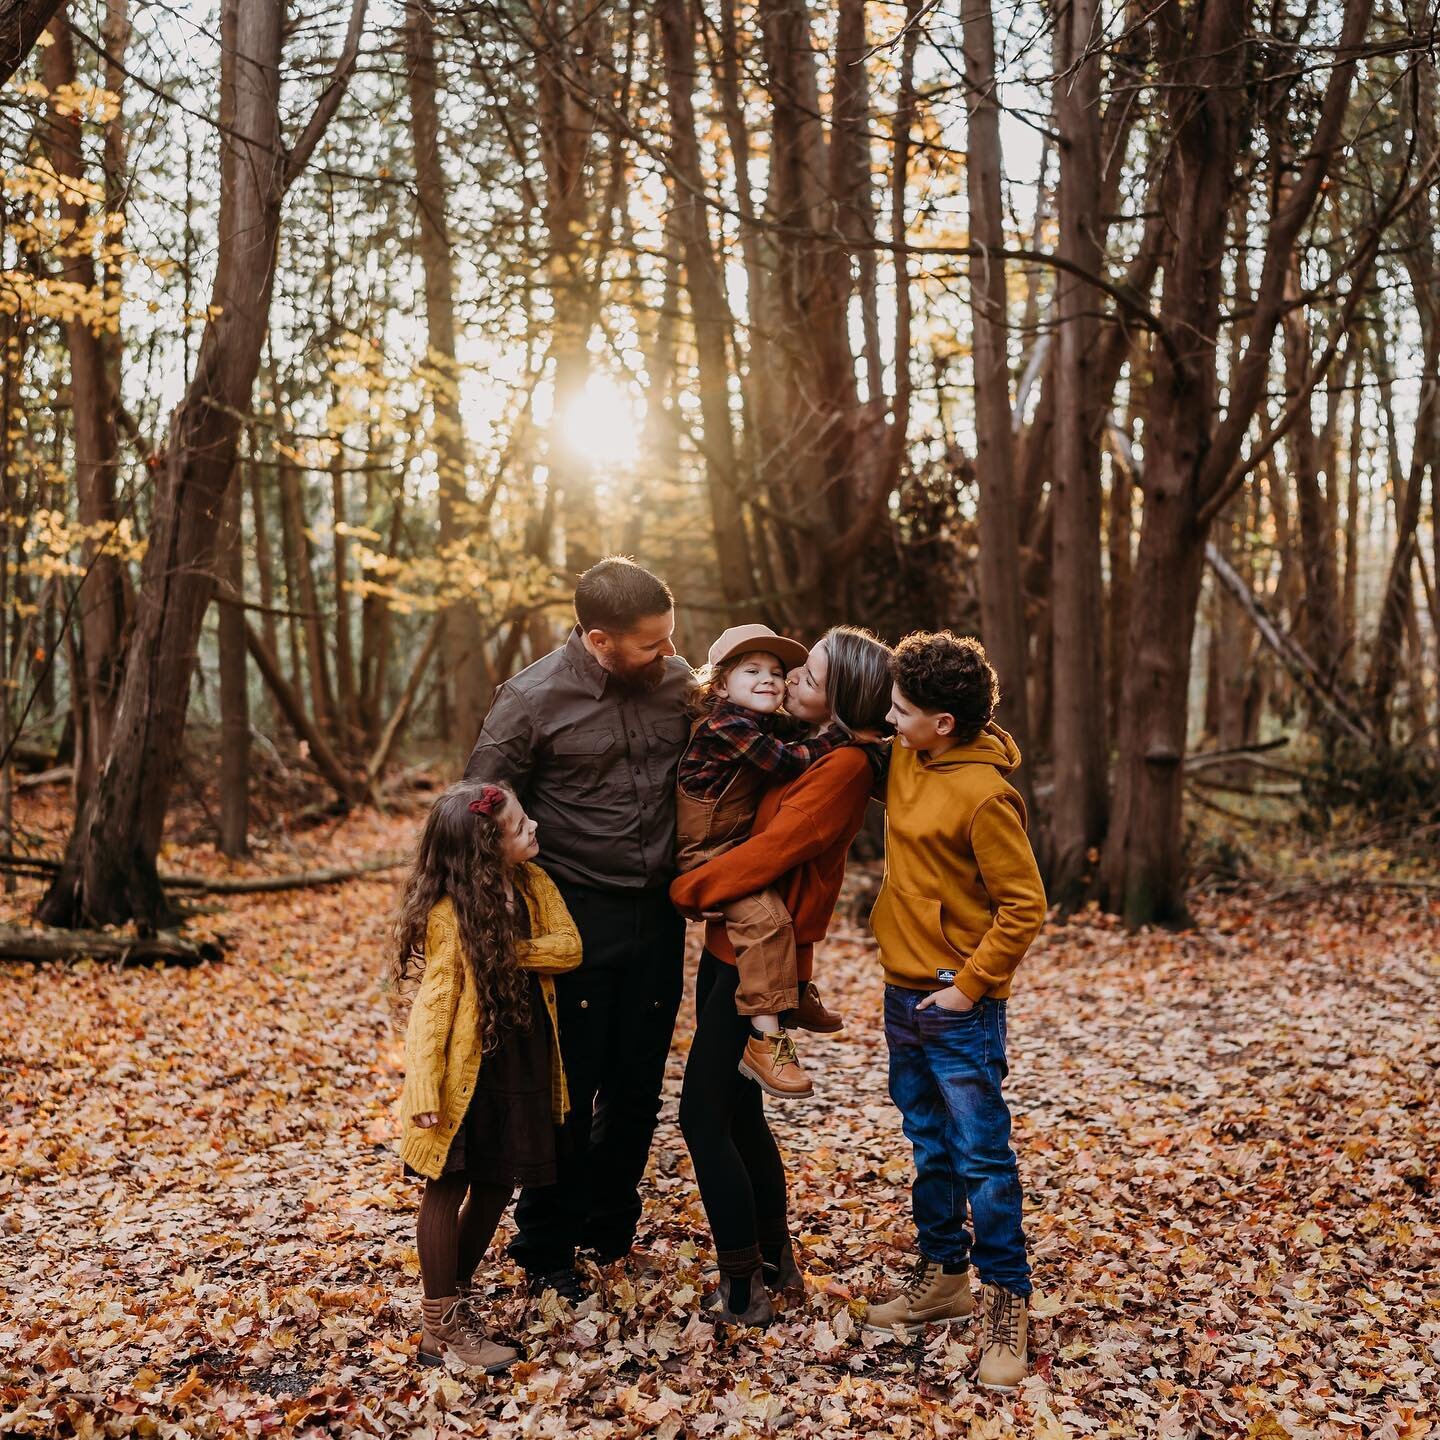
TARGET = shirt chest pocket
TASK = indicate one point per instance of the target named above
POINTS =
(668, 737)
(587, 760)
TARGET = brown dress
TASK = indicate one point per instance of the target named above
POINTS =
(508, 1134)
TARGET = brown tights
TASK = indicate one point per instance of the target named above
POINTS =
(452, 1237)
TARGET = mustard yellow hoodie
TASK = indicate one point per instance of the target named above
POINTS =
(962, 897)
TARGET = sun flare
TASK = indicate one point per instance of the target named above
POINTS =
(600, 424)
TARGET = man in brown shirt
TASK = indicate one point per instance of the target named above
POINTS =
(590, 736)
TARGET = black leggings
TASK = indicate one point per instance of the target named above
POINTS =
(722, 1116)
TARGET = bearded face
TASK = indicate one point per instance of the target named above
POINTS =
(637, 658)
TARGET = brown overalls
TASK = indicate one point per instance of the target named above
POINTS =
(759, 925)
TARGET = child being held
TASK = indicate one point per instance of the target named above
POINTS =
(491, 930)
(734, 755)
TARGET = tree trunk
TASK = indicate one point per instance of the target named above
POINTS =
(346, 723)
(709, 312)
(464, 661)
(1002, 614)
(851, 182)
(101, 602)
(21, 24)
(1234, 662)
(306, 598)
(376, 618)
(1397, 597)
(264, 561)
(234, 701)
(1079, 736)
(285, 482)
(567, 38)
(1356, 452)
(108, 875)
(1190, 459)
(1321, 630)
(1119, 539)
(814, 473)
(1144, 864)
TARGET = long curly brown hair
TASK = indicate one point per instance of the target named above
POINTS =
(461, 855)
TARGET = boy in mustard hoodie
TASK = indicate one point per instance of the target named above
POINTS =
(961, 903)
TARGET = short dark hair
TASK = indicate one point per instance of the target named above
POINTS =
(948, 674)
(615, 594)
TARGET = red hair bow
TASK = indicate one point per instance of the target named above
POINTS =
(492, 798)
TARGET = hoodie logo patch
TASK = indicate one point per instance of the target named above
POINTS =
(945, 977)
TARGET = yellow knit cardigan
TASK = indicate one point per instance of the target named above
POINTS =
(442, 1041)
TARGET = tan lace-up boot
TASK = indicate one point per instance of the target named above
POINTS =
(1004, 1347)
(771, 1062)
(445, 1331)
(928, 1296)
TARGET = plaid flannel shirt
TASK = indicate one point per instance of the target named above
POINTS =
(730, 736)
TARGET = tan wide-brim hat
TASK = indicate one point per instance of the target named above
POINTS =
(742, 639)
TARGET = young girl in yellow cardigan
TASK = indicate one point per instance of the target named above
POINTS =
(484, 1086)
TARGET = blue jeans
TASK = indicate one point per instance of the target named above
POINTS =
(946, 1069)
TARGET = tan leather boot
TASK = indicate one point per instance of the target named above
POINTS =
(1004, 1347)
(719, 1309)
(445, 1332)
(811, 1015)
(771, 1062)
(929, 1296)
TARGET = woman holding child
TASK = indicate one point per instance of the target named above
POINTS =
(961, 903)
(794, 857)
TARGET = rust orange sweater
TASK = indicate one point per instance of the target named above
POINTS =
(798, 844)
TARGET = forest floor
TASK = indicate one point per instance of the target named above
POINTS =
(1228, 1139)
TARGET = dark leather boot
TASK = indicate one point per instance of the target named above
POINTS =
(785, 1277)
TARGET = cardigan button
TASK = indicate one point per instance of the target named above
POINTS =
(584, 1004)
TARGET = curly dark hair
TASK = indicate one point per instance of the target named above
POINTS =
(948, 674)
(461, 855)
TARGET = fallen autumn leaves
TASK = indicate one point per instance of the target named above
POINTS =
(1227, 1139)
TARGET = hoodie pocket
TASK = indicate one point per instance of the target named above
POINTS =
(913, 928)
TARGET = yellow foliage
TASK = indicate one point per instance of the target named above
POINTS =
(54, 544)
(89, 102)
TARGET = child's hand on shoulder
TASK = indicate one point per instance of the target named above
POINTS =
(427, 1120)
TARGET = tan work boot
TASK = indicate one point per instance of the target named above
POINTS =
(445, 1331)
(771, 1062)
(1004, 1347)
(810, 1014)
(929, 1296)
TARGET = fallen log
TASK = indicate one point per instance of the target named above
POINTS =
(238, 885)
(55, 776)
(41, 945)
(1199, 759)
(298, 880)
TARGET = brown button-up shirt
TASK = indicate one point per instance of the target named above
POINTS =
(594, 764)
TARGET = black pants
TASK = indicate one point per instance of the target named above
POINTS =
(617, 1014)
(722, 1116)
